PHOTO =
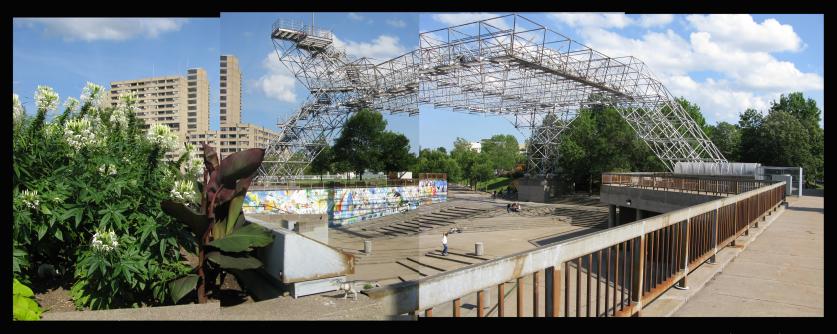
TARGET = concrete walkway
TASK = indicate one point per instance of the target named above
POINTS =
(779, 274)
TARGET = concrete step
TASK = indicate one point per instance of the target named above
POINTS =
(447, 263)
(418, 268)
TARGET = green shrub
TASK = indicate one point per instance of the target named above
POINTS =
(24, 306)
(94, 168)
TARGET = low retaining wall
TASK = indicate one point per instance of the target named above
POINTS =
(346, 205)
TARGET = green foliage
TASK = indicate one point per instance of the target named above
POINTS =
(24, 306)
(223, 238)
(437, 161)
(727, 138)
(365, 145)
(598, 141)
(501, 151)
(358, 144)
(87, 170)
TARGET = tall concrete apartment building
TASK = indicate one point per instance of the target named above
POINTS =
(233, 135)
(182, 103)
(230, 91)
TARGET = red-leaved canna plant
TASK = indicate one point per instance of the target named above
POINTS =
(224, 239)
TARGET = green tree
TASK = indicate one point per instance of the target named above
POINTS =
(750, 148)
(395, 152)
(466, 158)
(694, 112)
(787, 138)
(501, 151)
(358, 144)
(727, 138)
(437, 161)
(809, 116)
(323, 162)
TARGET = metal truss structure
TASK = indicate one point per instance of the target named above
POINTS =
(508, 66)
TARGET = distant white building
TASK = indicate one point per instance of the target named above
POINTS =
(476, 146)
(521, 148)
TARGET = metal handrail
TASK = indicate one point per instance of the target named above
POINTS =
(649, 256)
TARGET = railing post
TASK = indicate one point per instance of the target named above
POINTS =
(501, 300)
(480, 303)
(638, 271)
(520, 297)
(549, 278)
(456, 305)
(682, 285)
(715, 235)
(535, 293)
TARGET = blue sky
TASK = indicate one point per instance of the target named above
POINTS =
(725, 64)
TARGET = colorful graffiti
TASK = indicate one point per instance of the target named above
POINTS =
(347, 205)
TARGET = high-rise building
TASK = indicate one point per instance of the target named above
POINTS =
(182, 103)
(197, 100)
(167, 100)
(233, 135)
(230, 84)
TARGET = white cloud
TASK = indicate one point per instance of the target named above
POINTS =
(730, 76)
(462, 18)
(384, 47)
(356, 16)
(655, 20)
(111, 29)
(398, 23)
(278, 83)
(740, 31)
(601, 20)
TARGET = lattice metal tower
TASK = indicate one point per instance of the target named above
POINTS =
(509, 66)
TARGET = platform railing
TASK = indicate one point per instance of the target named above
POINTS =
(614, 272)
(711, 185)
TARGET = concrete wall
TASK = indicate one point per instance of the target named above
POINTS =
(651, 200)
(293, 257)
(533, 190)
(346, 205)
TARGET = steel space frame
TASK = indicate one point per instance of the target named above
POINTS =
(508, 66)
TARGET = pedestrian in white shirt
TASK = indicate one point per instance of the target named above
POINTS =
(445, 244)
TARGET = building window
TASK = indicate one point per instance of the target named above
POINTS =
(192, 120)
(193, 101)
(223, 104)
(223, 118)
(192, 83)
(193, 126)
(223, 71)
(223, 84)
(223, 98)
(193, 77)
(223, 91)
(192, 114)
(223, 57)
(192, 96)
(193, 71)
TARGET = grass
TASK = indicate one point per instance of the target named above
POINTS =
(496, 183)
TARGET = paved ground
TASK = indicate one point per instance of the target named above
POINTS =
(779, 274)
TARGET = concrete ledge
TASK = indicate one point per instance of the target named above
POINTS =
(208, 311)
(673, 299)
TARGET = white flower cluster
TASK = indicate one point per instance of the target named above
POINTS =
(30, 199)
(109, 169)
(17, 111)
(46, 98)
(127, 104)
(183, 191)
(194, 165)
(79, 133)
(52, 129)
(104, 241)
(94, 94)
(71, 103)
(161, 134)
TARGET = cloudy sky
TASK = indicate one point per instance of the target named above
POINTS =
(724, 63)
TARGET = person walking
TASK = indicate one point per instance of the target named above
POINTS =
(508, 208)
(445, 244)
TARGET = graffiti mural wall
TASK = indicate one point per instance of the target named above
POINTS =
(347, 205)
